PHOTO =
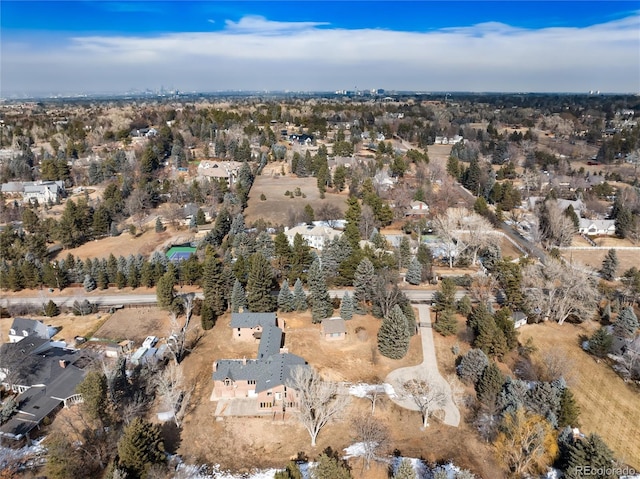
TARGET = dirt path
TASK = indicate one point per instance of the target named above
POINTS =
(427, 371)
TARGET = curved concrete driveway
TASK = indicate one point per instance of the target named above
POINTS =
(427, 371)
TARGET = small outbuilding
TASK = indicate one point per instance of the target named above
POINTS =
(334, 329)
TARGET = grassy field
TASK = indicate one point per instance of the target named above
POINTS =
(277, 207)
(609, 406)
(594, 258)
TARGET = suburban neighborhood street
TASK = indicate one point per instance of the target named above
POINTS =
(427, 371)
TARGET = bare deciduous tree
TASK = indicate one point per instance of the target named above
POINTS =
(174, 391)
(482, 288)
(428, 396)
(373, 394)
(558, 291)
(178, 337)
(372, 434)
(477, 232)
(318, 400)
(447, 226)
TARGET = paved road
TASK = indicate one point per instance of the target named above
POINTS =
(414, 295)
(427, 371)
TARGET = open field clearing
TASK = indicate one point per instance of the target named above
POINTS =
(594, 258)
(609, 406)
(135, 324)
(277, 207)
(122, 245)
(268, 442)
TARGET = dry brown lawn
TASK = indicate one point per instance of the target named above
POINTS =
(235, 443)
(135, 324)
(594, 258)
(122, 245)
(609, 406)
(276, 208)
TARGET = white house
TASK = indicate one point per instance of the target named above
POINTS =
(42, 191)
(219, 169)
(597, 227)
(315, 236)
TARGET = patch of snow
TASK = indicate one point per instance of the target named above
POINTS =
(362, 389)
(553, 474)
(358, 449)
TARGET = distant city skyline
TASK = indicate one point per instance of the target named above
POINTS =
(75, 47)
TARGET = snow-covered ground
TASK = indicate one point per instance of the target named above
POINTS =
(362, 390)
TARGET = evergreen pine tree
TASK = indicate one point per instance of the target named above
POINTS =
(490, 384)
(363, 281)
(299, 296)
(626, 324)
(121, 280)
(472, 365)
(404, 250)
(321, 306)
(213, 286)
(159, 227)
(445, 298)
(165, 291)
(51, 309)
(259, 282)
(140, 447)
(569, 410)
(132, 278)
(609, 265)
(238, 297)
(393, 335)
(346, 306)
(291, 471)
(446, 323)
(600, 342)
(89, 283)
(589, 453)
(414, 272)
(405, 470)
(285, 298)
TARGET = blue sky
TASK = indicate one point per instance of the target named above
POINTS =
(115, 46)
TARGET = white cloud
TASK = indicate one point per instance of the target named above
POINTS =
(257, 54)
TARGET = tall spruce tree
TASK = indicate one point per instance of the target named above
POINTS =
(213, 287)
(393, 335)
(299, 296)
(626, 324)
(347, 307)
(414, 272)
(285, 298)
(490, 384)
(364, 281)
(259, 283)
(165, 292)
(140, 447)
(405, 470)
(445, 298)
(321, 306)
(446, 324)
(609, 265)
(238, 297)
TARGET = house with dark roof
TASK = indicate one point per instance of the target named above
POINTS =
(261, 382)
(249, 326)
(46, 378)
(22, 328)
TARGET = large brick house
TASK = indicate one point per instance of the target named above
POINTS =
(261, 382)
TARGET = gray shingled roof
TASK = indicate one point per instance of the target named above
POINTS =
(268, 373)
(251, 320)
(270, 342)
(32, 326)
(333, 325)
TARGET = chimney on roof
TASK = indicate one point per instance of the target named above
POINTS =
(63, 363)
(244, 360)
